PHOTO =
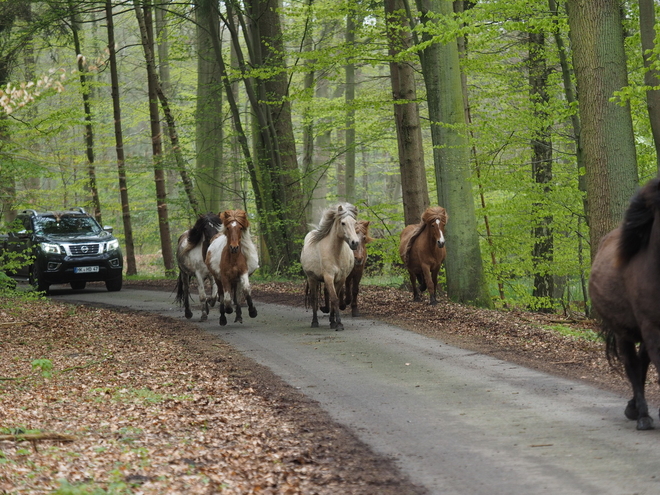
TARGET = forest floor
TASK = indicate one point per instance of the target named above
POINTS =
(144, 404)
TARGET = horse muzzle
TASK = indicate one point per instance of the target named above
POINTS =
(233, 249)
(354, 245)
(441, 243)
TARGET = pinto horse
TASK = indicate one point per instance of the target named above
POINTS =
(231, 258)
(422, 249)
(326, 257)
(625, 289)
(190, 255)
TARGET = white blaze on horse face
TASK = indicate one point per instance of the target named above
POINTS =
(441, 240)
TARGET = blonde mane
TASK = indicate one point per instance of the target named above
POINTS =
(328, 218)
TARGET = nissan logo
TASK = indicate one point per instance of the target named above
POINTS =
(84, 249)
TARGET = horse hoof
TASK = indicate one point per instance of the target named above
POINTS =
(315, 324)
(188, 315)
(645, 423)
(324, 309)
(238, 319)
(223, 320)
(252, 312)
(339, 327)
(212, 302)
(342, 306)
(433, 302)
(417, 299)
(229, 310)
(631, 411)
(204, 317)
(355, 313)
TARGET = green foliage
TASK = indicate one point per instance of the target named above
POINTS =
(45, 367)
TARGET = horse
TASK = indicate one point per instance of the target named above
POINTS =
(353, 279)
(231, 258)
(190, 255)
(624, 287)
(326, 257)
(422, 249)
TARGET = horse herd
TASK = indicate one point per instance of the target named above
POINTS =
(219, 249)
(624, 285)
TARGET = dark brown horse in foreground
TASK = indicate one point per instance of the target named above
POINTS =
(625, 291)
(231, 258)
(422, 249)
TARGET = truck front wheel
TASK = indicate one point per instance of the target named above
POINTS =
(36, 279)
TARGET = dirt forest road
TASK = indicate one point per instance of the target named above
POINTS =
(455, 421)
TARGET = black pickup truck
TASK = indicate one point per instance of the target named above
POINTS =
(62, 247)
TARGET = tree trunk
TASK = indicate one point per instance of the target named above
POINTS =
(607, 136)
(451, 156)
(131, 267)
(406, 115)
(208, 115)
(146, 32)
(651, 76)
(349, 97)
(89, 128)
(542, 252)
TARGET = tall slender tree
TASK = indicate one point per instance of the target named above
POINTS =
(599, 61)
(131, 266)
(406, 114)
(652, 74)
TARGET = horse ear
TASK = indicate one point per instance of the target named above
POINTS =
(340, 209)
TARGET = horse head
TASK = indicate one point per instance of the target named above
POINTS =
(345, 223)
(234, 222)
(362, 231)
(435, 218)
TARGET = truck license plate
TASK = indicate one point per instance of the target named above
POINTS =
(86, 269)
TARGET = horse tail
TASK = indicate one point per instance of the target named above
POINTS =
(611, 349)
(181, 295)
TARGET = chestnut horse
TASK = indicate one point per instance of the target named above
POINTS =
(231, 258)
(326, 257)
(422, 249)
(190, 256)
(353, 279)
(625, 289)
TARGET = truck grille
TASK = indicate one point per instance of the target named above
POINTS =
(83, 249)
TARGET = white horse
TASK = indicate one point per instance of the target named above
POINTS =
(190, 255)
(327, 257)
(231, 258)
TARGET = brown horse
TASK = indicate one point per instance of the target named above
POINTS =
(353, 279)
(326, 257)
(231, 258)
(422, 249)
(625, 289)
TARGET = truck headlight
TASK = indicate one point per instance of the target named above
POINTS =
(50, 248)
(113, 245)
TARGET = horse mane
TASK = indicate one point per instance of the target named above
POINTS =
(638, 220)
(238, 216)
(362, 227)
(430, 215)
(328, 218)
(196, 233)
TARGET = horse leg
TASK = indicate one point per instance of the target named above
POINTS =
(335, 315)
(223, 318)
(227, 294)
(413, 282)
(348, 292)
(314, 296)
(202, 296)
(247, 291)
(354, 298)
(429, 284)
(634, 366)
(341, 295)
(183, 289)
(631, 411)
(237, 303)
(434, 285)
(326, 307)
(214, 292)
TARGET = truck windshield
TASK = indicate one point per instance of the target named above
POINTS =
(67, 225)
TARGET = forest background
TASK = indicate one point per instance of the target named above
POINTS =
(531, 122)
